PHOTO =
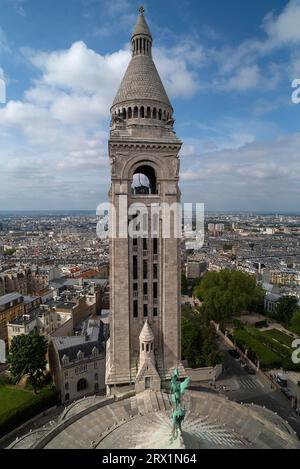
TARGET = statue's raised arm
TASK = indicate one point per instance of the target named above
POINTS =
(184, 385)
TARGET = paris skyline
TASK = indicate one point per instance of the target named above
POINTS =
(227, 69)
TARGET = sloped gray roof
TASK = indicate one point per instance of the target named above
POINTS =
(9, 297)
(70, 346)
(141, 82)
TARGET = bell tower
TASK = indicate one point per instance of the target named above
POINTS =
(144, 269)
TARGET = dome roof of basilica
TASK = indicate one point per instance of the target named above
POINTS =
(144, 421)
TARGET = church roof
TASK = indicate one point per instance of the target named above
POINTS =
(141, 81)
(141, 27)
(146, 334)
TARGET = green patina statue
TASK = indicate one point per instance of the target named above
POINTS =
(177, 390)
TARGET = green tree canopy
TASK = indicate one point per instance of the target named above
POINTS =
(286, 307)
(227, 293)
(295, 321)
(198, 340)
(27, 356)
(9, 251)
(184, 284)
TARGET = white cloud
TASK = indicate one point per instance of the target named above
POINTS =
(60, 127)
(245, 66)
(243, 79)
(284, 28)
(256, 175)
(178, 79)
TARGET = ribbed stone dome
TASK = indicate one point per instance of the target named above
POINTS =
(141, 83)
(146, 334)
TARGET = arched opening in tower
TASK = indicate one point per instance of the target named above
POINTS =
(144, 181)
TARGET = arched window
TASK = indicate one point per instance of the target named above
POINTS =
(144, 46)
(66, 386)
(154, 113)
(124, 113)
(159, 114)
(96, 376)
(142, 113)
(96, 387)
(136, 112)
(148, 112)
(129, 113)
(144, 181)
(165, 115)
(82, 384)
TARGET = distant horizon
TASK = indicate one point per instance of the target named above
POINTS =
(90, 211)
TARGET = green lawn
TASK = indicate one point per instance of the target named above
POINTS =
(267, 357)
(280, 337)
(273, 347)
(18, 405)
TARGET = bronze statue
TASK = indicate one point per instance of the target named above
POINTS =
(178, 388)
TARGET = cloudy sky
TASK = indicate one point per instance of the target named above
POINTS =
(227, 66)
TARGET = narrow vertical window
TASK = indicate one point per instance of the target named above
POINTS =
(135, 309)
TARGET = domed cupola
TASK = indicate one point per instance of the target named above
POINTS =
(141, 98)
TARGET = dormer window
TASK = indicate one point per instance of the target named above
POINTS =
(65, 360)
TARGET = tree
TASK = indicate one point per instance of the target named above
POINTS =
(9, 251)
(295, 321)
(286, 307)
(184, 284)
(198, 339)
(27, 356)
(227, 293)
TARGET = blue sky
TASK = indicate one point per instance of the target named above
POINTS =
(227, 67)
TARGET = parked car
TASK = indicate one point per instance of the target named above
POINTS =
(249, 370)
(287, 393)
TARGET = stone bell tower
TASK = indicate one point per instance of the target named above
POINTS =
(144, 269)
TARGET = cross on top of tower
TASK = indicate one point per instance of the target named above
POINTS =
(142, 10)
